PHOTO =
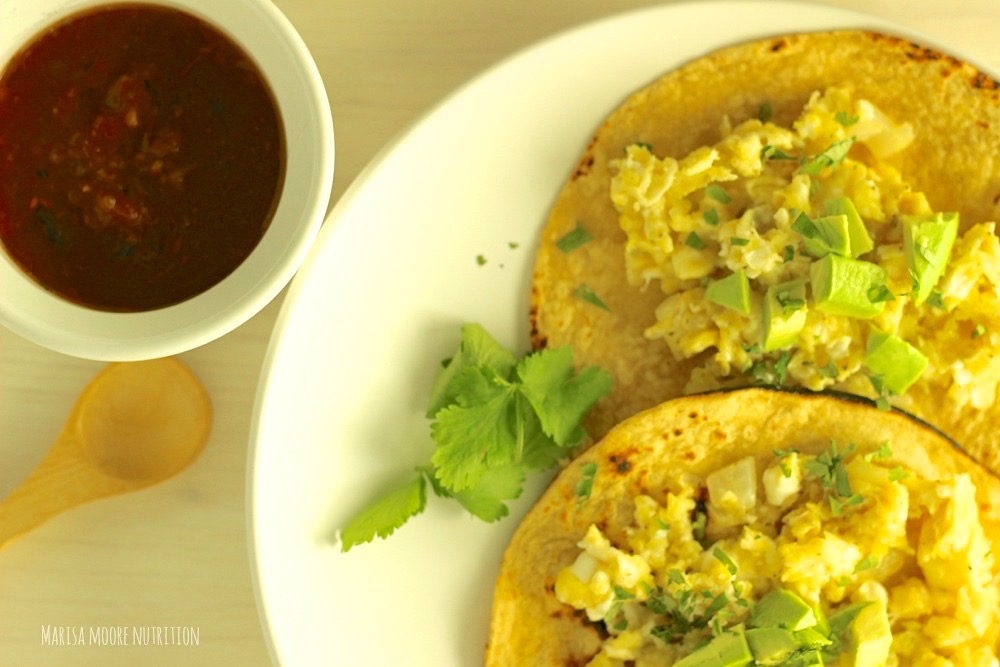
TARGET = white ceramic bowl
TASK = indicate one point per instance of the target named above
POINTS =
(266, 35)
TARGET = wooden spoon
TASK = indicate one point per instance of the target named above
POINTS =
(135, 424)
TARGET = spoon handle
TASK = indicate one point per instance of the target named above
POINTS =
(62, 480)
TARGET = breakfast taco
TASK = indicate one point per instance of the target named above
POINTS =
(757, 526)
(814, 210)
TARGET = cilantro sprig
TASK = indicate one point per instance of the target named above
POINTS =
(829, 468)
(494, 418)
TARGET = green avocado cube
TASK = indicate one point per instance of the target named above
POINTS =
(728, 649)
(846, 286)
(832, 236)
(895, 361)
(782, 609)
(869, 637)
(771, 646)
(733, 291)
(784, 314)
(927, 242)
(861, 240)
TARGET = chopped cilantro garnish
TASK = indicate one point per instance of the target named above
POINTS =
(724, 558)
(832, 156)
(699, 521)
(717, 193)
(769, 152)
(586, 483)
(513, 245)
(804, 225)
(574, 239)
(978, 330)
(880, 293)
(712, 217)
(898, 474)
(845, 119)
(481, 260)
(586, 293)
(881, 454)
(866, 563)
(935, 300)
(770, 371)
(738, 241)
(789, 253)
(828, 467)
(830, 370)
(765, 112)
(695, 241)
(882, 392)
(788, 303)
(494, 418)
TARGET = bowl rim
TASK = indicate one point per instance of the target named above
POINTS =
(269, 38)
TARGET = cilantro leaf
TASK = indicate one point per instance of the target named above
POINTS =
(559, 397)
(845, 118)
(695, 241)
(770, 152)
(478, 348)
(587, 293)
(486, 499)
(586, 484)
(575, 238)
(493, 418)
(724, 558)
(832, 156)
(718, 193)
(386, 515)
(474, 436)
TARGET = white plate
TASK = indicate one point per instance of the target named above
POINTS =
(379, 303)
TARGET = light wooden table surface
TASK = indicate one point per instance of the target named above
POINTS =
(175, 555)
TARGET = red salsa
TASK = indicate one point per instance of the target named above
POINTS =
(141, 157)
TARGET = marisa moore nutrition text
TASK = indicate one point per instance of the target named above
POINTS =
(121, 635)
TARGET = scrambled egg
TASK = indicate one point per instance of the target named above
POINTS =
(915, 546)
(731, 207)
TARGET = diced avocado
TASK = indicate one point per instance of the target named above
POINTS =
(844, 286)
(927, 241)
(784, 314)
(728, 649)
(733, 291)
(771, 646)
(861, 240)
(822, 624)
(868, 637)
(895, 361)
(782, 609)
(833, 236)
(842, 620)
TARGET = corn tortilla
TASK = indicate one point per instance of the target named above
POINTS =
(651, 453)
(955, 112)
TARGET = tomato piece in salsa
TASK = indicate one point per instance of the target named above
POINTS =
(141, 157)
